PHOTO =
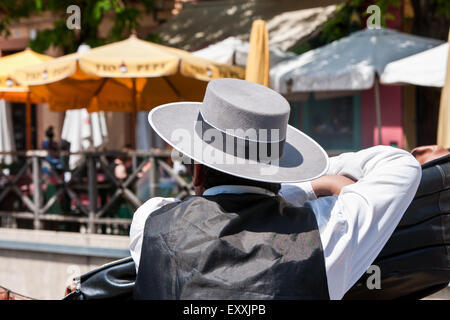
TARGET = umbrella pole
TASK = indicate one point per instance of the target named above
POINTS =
(378, 108)
(133, 116)
(28, 122)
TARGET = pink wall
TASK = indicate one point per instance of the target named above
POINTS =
(391, 117)
(391, 104)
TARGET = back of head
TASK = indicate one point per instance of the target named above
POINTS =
(49, 133)
(213, 178)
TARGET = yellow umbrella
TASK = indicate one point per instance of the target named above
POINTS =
(60, 83)
(12, 91)
(161, 74)
(443, 133)
(257, 69)
(130, 75)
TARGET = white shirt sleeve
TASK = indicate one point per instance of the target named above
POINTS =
(138, 224)
(297, 193)
(355, 226)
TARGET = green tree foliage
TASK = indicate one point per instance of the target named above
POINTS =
(125, 15)
(442, 8)
(351, 16)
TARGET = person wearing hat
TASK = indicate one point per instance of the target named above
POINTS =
(273, 217)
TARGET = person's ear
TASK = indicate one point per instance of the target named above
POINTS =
(198, 178)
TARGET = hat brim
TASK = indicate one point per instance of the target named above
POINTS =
(303, 159)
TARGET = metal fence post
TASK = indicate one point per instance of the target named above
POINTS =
(154, 177)
(133, 162)
(37, 194)
(92, 190)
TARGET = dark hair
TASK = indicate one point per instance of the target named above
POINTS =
(49, 132)
(216, 178)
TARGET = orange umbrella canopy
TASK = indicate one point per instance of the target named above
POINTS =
(257, 69)
(9, 88)
(130, 75)
(12, 91)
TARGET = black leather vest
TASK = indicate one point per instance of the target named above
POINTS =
(231, 247)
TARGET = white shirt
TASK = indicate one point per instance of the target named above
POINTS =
(353, 227)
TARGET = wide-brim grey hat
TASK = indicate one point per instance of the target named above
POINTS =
(241, 128)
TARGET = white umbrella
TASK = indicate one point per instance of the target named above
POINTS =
(350, 63)
(7, 143)
(234, 51)
(84, 131)
(426, 68)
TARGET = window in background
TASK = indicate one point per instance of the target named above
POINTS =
(334, 123)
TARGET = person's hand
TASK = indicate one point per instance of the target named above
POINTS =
(330, 185)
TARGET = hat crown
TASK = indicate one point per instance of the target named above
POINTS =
(232, 104)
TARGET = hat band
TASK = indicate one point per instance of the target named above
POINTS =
(249, 149)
